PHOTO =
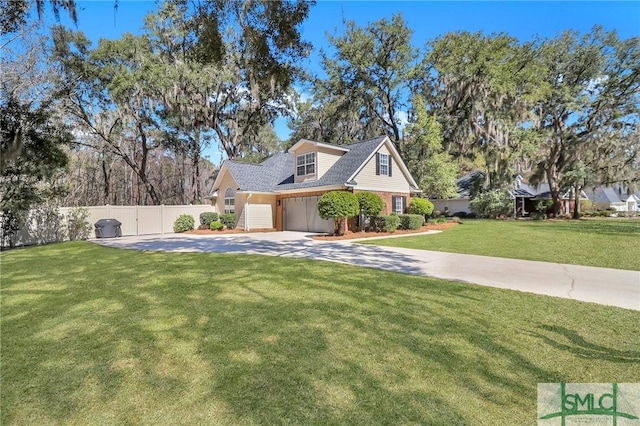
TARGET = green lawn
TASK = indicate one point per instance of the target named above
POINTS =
(608, 243)
(92, 335)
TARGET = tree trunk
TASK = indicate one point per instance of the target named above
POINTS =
(576, 205)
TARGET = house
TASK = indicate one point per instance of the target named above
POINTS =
(282, 192)
(466, 185)
(525, 196)
(608, 198)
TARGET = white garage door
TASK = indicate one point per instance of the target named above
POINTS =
(301, 214)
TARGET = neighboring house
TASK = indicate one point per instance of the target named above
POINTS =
(465, 186)
(527, 197)
(608, 198)
(282, 192)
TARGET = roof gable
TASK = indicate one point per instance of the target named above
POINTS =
(317, 144)
(276, 173)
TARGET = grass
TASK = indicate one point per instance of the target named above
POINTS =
(607, 243)
(93, 335)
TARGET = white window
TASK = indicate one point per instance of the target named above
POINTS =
(306, 164)
(229, 201)
(398, 204)
(384, 168)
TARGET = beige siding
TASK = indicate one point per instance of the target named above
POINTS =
(326, 158)
(368, 180)
(226, 182)
(455, 205)
(240, 201)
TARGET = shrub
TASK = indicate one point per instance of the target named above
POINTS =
(441, 220)
(338, 205)
(420, 206)
(411, 221)
(207, 217)
(538, 216)
(604, 213)
(78, 226)
(216, 225)
(370, 205)
(391, 222)
(229, 220)
(437, 213)
(184, 223)
(492, 204)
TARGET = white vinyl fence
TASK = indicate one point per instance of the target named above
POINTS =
(136, 220)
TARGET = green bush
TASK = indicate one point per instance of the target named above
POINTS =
(184, 223)
(338, 205)
(207, 217)
(229, 220)
(411, 221)
(370, 205)
(216, 225)
(420, 206)
(492, 204)
(78, 226)
(391, 222)
(437, 220)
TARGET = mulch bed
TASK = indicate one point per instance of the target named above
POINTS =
(349, 235)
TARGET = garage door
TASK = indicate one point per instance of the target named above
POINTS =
(301, 214)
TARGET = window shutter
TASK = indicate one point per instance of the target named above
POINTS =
(390, 162)
(393, 203)
(377, 163)
(404, 201)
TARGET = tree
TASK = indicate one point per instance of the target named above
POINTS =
(338, 205)
(33, 137)
(14, 13)
(482, 90)
(590, 116)
(365, 93)
(242, 58)
(433, 169)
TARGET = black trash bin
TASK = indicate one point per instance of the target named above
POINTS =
(108, 228)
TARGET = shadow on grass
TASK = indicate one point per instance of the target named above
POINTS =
(570, 341)
(92, 335)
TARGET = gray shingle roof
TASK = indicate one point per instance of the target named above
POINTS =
(342, 170)
(603, 195)
(466, 182)
(276, 172)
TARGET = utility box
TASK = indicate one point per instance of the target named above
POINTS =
(108, 228)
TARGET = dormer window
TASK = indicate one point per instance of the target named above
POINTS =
(306, 164)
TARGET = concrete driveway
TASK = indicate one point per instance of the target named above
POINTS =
(605, 286)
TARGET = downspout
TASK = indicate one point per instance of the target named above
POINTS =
(246, 213)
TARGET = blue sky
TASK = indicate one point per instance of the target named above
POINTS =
(428, 19)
